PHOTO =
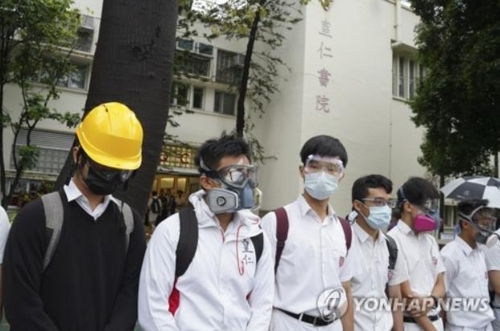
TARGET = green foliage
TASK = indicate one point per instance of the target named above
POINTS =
(37, 38)
(458, 102)
(263, 24)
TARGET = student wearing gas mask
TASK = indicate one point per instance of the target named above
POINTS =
(382, 270)
(89, 280)
(315, 256)
(417, 203)
(466, 271)
(209, 267)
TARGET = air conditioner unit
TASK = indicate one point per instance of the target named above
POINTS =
(239, 60)
(87, 22)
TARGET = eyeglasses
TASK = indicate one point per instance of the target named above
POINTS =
(380, 202)
(330, 165)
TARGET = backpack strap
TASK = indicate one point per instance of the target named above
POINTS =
(393, 251)
(128, 218)
(54, 217)
(188, 240)
(282, 226)
(346, 226)
(258, 244)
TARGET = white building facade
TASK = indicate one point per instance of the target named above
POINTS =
(353, 69)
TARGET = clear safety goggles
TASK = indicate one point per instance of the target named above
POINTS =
(236, 175)
(107, 173)
(430, 206)
(484, 217)
(330, 165)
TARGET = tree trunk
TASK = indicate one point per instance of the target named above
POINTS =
(133, 64)
(240, 110)
(496, 172)
(3, 179)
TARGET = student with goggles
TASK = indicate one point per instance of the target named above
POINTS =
(91, 280)
(227, 285)
(417, 207)
(492, 255)
(310, 245)
(466, 275)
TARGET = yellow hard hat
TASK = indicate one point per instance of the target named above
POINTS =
(111, 135)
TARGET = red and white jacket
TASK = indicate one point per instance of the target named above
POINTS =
(223, 288)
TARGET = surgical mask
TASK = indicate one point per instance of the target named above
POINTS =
(229, 199)
(379, 218)
(100, 186)
(320, 185)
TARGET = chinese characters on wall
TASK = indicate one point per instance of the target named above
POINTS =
(324, 51)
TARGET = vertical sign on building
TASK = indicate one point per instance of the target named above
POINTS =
(325, 53)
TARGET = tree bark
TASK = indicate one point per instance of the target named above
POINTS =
(133, 65)
(240, 110)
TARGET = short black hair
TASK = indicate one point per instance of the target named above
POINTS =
(417, 190)
(324, 145)
(214, 150)
(467, 206)
(362, 185)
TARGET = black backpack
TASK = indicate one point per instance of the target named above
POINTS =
(188, 241)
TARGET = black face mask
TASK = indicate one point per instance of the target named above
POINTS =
(100, 186)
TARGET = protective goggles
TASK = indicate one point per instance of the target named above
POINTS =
(484, 217)
(330, 165)
(430, 206)
(108, 174)
(236, 175)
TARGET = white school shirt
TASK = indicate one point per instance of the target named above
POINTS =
(420, 254)
(371, 282)
(466, 277)
(4, 231)
(222, 289)
(73, 193)
(492, 256)
(314, 258)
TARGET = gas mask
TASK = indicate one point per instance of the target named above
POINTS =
(102, 180)
(484, 234)
(238, 189)
(428, 219)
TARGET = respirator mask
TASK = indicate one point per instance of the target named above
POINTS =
(483, 219)
(238, 188)
(428, 218)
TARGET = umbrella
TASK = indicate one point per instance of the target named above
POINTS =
(474, 188)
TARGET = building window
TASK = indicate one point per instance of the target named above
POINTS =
(229, 67)
(76, 80)
(85, 40)
(193, 65)
(407, 74)
(187, 95)
(53, 148)
(225, 103)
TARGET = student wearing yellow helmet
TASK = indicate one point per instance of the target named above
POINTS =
(73, 258)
